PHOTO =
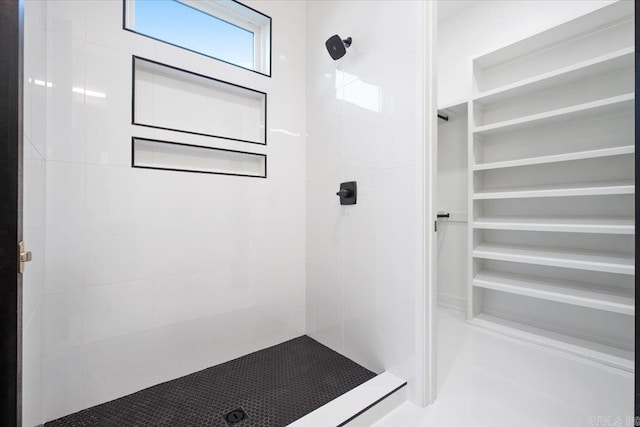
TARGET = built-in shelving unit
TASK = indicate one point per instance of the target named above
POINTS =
(560, 190)
(568, 292)
(551, 187)
(558, 225)
(603, 64)
(567, 157)
(576, 111)
(581, 260)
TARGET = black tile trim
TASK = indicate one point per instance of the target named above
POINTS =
(11, 160)
(636, 409)
(133, 158)
(269, 74)
(182, 70)
(370, 406)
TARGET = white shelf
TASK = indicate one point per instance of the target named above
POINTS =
(582, 110)
(557, 35)
(561, 225)
(584, 189)
(608, 355)
(600, 65)
(610, 262)
(575, 293)
(556, 158)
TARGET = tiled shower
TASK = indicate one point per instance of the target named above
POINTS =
(142, 275)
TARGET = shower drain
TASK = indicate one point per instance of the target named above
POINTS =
(235, 416)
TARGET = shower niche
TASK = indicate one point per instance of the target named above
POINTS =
(170, 98)
(166, 155)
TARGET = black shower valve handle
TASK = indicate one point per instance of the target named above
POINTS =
(348, 193)
(344, 193)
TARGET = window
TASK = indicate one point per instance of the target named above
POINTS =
(221, 29)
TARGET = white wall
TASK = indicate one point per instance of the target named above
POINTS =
(364, 118)
(151, 275)
(486, 25)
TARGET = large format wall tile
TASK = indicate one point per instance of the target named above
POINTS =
(150, 275)
(363, 124)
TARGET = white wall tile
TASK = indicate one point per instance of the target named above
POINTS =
(202, 268)
(65, 118)
(288, 65)
(117, 367)
(286, 137)
(232, 334)
(325, 234)
(362, 323)
(67, 17)
(361, 249)
(362, 122)
(118, 218)
(35, 58)
(63, 321)
(197, 231)
(107, 92)
(117, 309)
(398, 245)
(198, 295)
(35, 14)
(327, 289)
(65, 242)
(62, 385)
(104, 23)
(181, 349)
(397, 324)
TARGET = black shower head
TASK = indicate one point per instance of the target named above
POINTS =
(337, 47)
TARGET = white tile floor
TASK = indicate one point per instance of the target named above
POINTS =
(491, 380)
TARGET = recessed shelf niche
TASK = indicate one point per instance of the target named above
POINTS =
(173, 156)
(170, 98)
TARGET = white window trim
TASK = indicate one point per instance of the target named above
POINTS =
(236, 14)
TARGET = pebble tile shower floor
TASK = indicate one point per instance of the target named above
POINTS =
(274, 387)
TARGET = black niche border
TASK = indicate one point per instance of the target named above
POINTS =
(140, 138)
(636, 405)
(171, 67)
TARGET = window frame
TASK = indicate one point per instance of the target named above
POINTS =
(233, 13)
